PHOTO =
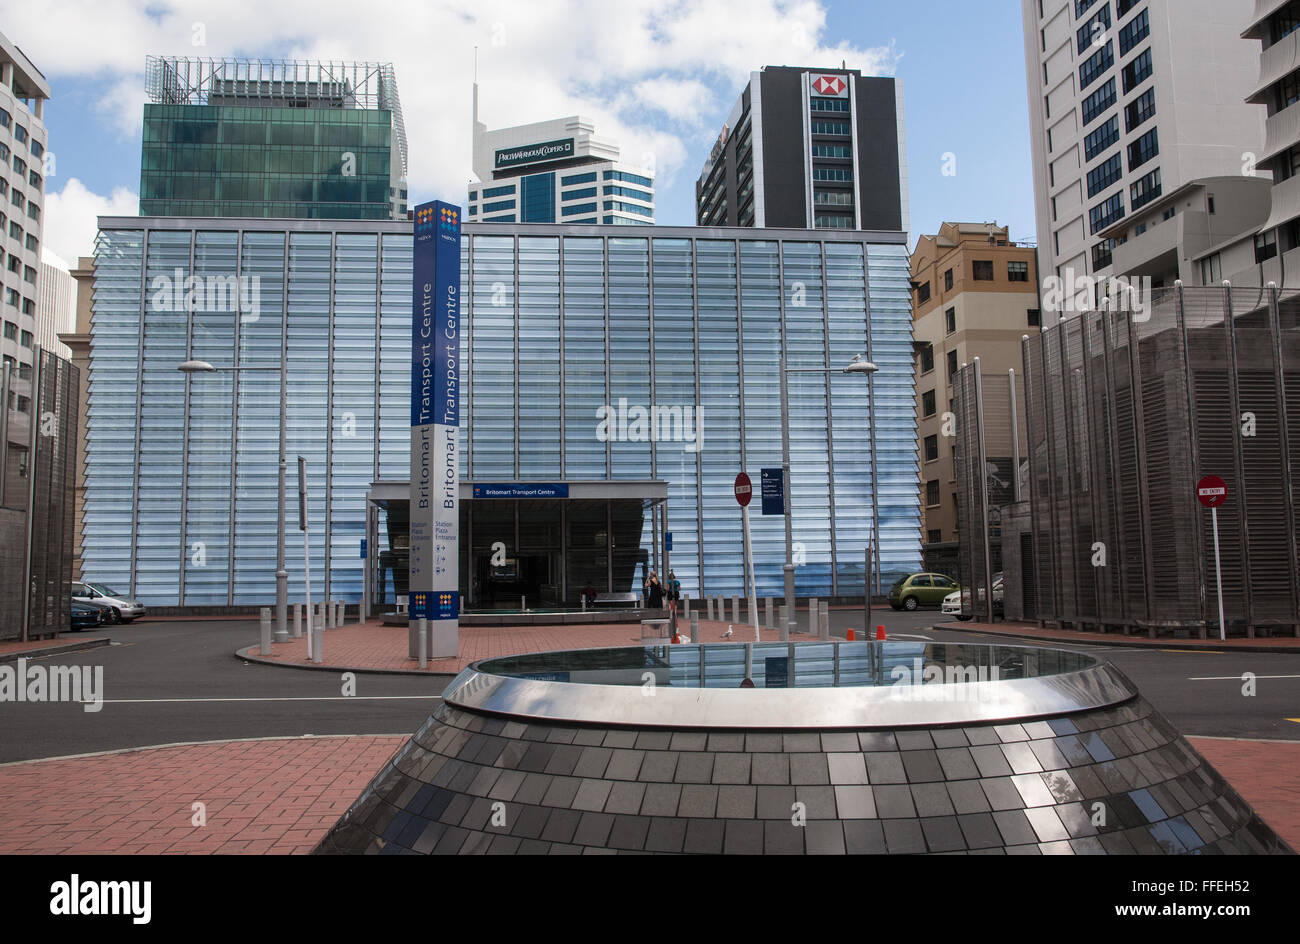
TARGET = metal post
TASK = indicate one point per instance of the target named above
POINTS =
(33, 424)
(266, 630)
(735, 609)
(281, 569)
(695, 631)
(1218, 571)
(825, 621)
(5, 383)
(982, 460)
(814, 610)
(297, 620)
(767, 612)
(866, 585)
(786, 488)
(318, 645)
(708, 603)
(1015, 436)
(423, 644)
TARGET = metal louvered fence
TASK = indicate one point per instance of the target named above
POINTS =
(1126, 410)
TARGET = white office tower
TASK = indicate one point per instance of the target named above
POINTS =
(1137, 108)
(555, 172)
(56, 308)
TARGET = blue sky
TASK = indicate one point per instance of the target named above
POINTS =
(658, 77)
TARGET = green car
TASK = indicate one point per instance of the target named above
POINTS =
(915, 590)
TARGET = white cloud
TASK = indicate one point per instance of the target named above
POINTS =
(654, 76)
(71, 217)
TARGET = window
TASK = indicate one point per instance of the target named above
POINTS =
(950, 320)
(32, 243)
(982, 270)
(1101, 253)
(1140, 109)
(626, 192)
(931, 498)
(11, 331)
(578, 208)
(1105, 174)
(1212, 270)
(923, 292)
(499, 192)
(11, 297)
(832, 127)
(29, 307)
(35, 180)
(622, 207)
(832, 198)
(927, 403)
(947, 281)
(508, 218)
(1095, 65)
(1265, 246)
(33, 211)
(927, 358)
(1099, 101)
(829, 221)
(1094, 28)
(933, 536)
(931, 448)
(1018, 271)
(578, 179)
(5, 119)
(1123, 6)
(15, 263)
(1035, 317)
(580, 194)
(1143, 149)
(17, 198)
(629, 178)
(1284, 23)
(26, 339)
(1137, 71)
(832, 150)
(1104, 214)
(1132, 33)
(29, 274)
(832, 173)
(1100, 139)
(828, 104)
(952, 364)
(1080, 7)
(20, 134)
(15, 231)
(499, 205)
(1143, 191)
(473, 195)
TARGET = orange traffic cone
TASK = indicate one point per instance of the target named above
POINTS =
(850, 637)
(880, 634)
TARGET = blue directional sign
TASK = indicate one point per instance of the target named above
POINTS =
(773, 484)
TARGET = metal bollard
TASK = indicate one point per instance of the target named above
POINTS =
(824, 620)
(708, 605)
(686, 607)
(583, 598)
(266, 630)
(328, 622)
(317, 644)
(523, 604)
(735, 609)
(297, 621)
(695, 628)
(785, 622)
(423, 635)
(813, 612)
(412, 639)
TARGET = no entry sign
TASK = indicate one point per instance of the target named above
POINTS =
(744, 490)
(1211, 491)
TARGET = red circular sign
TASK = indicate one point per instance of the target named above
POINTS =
(744, 490)
(1211, 491)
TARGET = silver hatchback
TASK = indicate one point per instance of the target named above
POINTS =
(120, 608)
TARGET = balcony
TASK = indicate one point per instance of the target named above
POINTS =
(1276, 62)
(1259, 19)
(1155, 253)
(1285, 203)
(1281, 131)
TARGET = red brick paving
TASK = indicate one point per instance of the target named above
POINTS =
(271, 796)
(1266, 774)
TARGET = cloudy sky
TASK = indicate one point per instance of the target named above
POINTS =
(658, 76)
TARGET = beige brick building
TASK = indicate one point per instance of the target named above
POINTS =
(974, 294)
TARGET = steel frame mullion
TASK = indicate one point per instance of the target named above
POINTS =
(1238, 461)
(139, 394)
(185, 432)
(1284, 438)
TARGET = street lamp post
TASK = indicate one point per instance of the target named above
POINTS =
(859, 365)
(281, 574)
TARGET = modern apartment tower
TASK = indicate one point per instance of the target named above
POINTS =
(23, 143)
(272, 138)
(1131, 101)
(808, 148)
(555, 172)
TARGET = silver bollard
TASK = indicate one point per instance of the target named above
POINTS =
(824, 620)
(317, 644)
(767, 612)
(329, 614)
(686, 607)
(423, 635)
(340, 613)
(735, 609)
(583, 598)
(708, 605)
(412, 639)
(695, 628)
(523, 603)
(297, 621)
(813, 612)
(785, 622)
(266, 630)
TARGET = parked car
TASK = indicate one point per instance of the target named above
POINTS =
(122, 609)
(915, 590)
(952, 603)
(86, 615)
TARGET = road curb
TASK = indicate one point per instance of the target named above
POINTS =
(1208, 645)
(79, 645)
(246, 654)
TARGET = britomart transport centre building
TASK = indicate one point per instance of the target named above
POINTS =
(613, 385)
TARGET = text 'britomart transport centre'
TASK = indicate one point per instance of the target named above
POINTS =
(611, 387)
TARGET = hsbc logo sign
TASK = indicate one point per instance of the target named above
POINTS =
(835, 86)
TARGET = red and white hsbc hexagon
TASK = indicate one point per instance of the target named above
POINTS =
(828, 85)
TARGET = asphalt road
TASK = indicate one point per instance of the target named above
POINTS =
(170, 682)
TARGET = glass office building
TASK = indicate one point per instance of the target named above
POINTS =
(261, 138)
(613, 387)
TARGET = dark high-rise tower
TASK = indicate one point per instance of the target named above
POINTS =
(809, 148)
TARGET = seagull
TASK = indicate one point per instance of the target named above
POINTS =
(727, 634)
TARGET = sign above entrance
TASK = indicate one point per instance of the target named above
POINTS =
(521, 490)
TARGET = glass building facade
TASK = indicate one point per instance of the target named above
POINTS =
(561, 326)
